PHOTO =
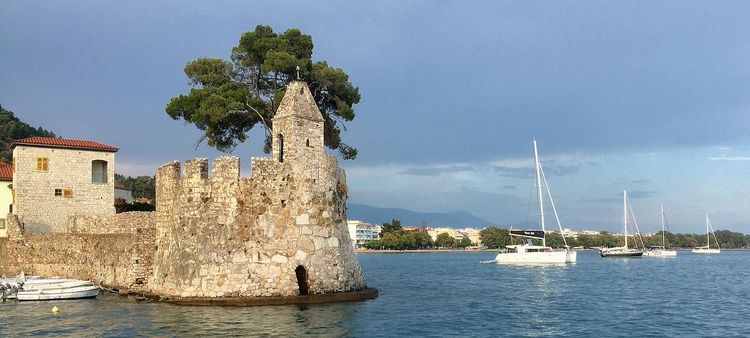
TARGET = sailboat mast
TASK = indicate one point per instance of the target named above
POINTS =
(539, 190)
(625, 215)
(708, 238)
(663, 239)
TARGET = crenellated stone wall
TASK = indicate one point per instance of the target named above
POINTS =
(223, 235)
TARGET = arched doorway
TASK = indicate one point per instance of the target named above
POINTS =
(302, 280)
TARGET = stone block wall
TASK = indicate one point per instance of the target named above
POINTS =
(118, 259)
(222, 235)
(122, 223)
(35, 200)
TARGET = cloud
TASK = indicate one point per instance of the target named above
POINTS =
(730, 158)
(509, 187)
(515, 172)
(641, 181)
(632, 195)
(436, 170)
(551, 168)
(641, 194)
(136, 169)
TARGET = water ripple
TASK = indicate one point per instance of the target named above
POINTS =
(450, 294)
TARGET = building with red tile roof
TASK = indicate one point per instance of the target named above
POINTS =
(6, 194)
(54, 178)
(57, 142)
(6, 172)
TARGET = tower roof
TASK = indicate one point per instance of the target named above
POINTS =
(298, 101)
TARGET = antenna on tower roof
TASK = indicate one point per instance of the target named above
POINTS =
(297, 72)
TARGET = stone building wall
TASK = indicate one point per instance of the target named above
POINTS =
(35, 200)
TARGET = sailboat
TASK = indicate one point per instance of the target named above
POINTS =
(623, 251)
(661, 251)
(707, 248)
(537, 254)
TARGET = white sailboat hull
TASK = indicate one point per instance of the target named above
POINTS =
(550, 257)
(620, 252)
(660, 253)
(708, 251)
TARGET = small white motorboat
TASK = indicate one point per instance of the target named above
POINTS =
(65, 290)
(46, 288)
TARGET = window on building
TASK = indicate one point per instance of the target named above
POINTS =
(281, 148)
(42, 164)
(68, 193)
(58, 192)
(98, 171)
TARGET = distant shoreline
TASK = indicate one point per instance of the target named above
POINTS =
(482, 250)
(422, 251)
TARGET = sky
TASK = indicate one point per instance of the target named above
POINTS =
(648, 96)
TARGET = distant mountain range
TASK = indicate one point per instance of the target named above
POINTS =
(454, 219)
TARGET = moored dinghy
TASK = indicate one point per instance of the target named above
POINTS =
(66, 290)
(47, 288)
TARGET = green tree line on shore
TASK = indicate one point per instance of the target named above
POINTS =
(11, 128)
(493, 238)
(394, 237)
(142, 186)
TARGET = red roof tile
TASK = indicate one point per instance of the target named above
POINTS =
(57, 142)
(6, 172)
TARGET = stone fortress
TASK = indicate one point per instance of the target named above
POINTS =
(280, 232)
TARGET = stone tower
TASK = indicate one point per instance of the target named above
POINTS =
(297, 128)
(280, 232)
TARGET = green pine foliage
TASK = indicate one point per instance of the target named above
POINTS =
(230, 97)
(11, 128)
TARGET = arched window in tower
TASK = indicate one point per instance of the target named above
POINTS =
(281, 148)
(307, 143)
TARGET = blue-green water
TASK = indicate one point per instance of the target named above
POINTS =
(451, 294)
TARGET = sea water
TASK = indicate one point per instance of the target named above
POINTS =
(451, 294)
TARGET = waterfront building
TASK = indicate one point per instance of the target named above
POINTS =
(361, 232)
(56, 177)
(123, 194)
(566, 232)
(455, 233)
(6, 195)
